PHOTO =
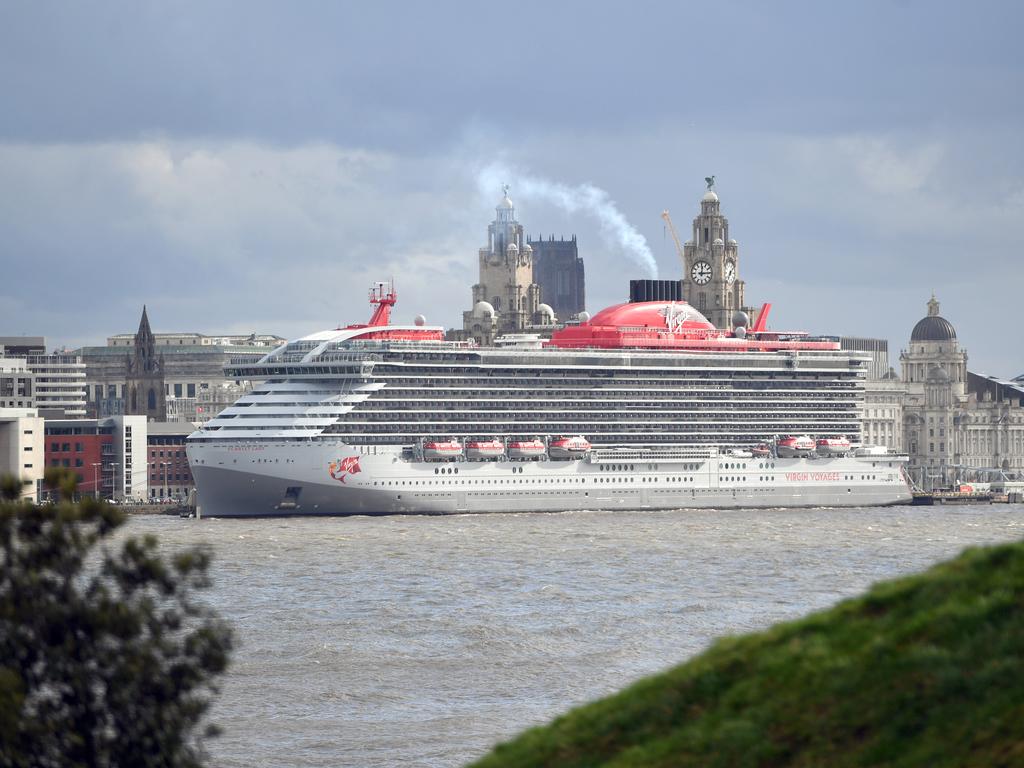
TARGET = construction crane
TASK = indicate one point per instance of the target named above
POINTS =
(675, 236)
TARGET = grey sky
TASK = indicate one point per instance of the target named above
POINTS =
(254, 166)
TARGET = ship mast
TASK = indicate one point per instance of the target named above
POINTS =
(384, 296)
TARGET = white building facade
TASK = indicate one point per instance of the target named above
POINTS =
(22, 448)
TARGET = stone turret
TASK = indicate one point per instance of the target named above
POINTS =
(505, 300)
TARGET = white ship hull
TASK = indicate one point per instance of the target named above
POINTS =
(322, 478)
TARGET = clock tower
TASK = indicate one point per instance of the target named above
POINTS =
(711, 282)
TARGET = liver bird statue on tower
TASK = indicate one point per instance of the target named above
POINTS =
(710, 181)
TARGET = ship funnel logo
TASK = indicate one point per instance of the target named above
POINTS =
(342, 468)
(676, 315)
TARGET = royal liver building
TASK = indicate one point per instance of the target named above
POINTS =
(711, 263)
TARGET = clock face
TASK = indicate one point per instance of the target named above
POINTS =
(730, 272)
(701, 272)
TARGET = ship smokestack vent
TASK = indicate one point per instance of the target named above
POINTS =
(655, 290)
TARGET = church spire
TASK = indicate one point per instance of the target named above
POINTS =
(145, 344)
(144, 330)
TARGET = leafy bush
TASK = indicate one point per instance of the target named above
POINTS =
(106, 656)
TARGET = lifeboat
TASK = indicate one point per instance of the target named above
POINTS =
(569, 447)
(761, 450)
(485, 449)
(442, 450)
(526, 449)
(833, 446)
(789, 447)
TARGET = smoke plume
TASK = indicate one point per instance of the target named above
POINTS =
(585, 198)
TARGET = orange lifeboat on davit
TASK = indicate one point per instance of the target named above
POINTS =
(442, 450)
(526, 449)
(485, 449)
(793, 446)
(569, 447)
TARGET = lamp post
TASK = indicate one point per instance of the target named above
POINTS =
(113, 480)
(165, 465)
(95, 482)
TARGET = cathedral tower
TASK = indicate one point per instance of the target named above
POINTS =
(711, 260)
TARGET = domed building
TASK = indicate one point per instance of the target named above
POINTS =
(506, 299)
(958, 426)
(934, 356)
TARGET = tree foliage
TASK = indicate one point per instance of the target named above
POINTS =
(106, 656)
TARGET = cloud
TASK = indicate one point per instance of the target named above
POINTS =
(219, 236)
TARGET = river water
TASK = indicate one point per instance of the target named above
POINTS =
(422, 641)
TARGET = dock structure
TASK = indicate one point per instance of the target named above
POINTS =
(933, 498)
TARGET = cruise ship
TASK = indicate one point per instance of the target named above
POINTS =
(646, 405)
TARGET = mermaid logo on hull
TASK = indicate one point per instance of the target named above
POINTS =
(342, 468)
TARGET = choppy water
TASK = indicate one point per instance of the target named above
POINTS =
(422, 641)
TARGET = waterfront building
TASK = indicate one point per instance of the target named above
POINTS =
(558, 270)
(108, 454)
(169, 474)
(59, 384)
(193, 371)
(17, 383)
(506, 299)
(57, 380)
(711, 262)
(21, 448)
(882, 419)
(878, 349)
(958, 425)
(22, 346)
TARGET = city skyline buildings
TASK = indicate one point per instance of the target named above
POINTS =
(869, 165)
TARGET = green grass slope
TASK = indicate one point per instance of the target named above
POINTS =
(922, 671)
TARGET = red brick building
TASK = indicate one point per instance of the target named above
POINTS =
(169, 475)
(106, 454)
